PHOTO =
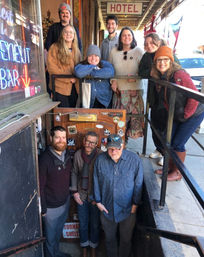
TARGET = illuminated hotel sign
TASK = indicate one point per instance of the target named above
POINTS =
(124, 8)
(21, 63)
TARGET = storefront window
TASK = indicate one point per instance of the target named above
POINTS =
(21, 51)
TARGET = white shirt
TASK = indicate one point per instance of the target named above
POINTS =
(125, 67)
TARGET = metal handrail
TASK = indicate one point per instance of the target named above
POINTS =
(21, 247)
(197, 191)
(79, 101)
(194, 241)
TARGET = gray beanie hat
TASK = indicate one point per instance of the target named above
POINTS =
(94, 49)
(64, 6)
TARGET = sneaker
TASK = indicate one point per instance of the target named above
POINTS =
(155, 154)
(161, 161)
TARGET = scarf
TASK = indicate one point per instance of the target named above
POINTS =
(85, 170)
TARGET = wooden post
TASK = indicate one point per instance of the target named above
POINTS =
(88, 17)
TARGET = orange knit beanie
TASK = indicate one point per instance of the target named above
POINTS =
(164, 51)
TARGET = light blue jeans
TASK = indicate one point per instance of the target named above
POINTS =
(54, 222)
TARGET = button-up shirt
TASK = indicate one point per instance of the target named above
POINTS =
(118, 185)
(107, 46)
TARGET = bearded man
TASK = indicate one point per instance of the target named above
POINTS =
(56, 28)
(54, 175)
(112, 39)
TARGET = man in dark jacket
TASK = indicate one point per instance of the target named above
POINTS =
(54, 174)
(56, 28)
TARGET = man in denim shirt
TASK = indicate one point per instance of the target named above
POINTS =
(112, 39)
(118, 179)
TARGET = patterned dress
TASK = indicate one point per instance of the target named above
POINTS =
(129, 94)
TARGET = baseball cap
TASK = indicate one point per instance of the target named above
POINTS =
(114, 140)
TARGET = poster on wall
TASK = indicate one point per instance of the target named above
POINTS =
(21, 52)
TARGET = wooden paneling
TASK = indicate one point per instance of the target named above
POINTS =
(107, 121)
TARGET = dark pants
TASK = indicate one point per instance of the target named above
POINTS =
(98, 105)
(89, 224)
(159, 121)
(126, 228)
(54, 222)
(67, 100)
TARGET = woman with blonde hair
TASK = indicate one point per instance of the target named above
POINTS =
(62, 57)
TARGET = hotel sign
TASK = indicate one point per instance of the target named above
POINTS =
(124, 8)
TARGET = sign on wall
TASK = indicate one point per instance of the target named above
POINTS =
(21, 52)
(71, 230)
(124, 8)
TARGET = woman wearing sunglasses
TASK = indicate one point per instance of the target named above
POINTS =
(128, 91)
(188, 113)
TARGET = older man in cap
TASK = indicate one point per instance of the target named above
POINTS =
(118, 179)
(54, 31)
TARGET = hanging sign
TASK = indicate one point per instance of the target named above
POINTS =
(124, 8)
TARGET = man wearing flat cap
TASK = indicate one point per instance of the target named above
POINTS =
(55, 29)
(118, 179)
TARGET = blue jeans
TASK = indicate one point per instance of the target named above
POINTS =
(54, 222)
(89, 224)
(182, 131)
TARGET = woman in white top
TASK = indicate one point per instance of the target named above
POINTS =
(128, 92)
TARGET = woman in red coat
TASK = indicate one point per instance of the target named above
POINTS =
(188, 114)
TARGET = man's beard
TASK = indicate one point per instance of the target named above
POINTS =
(112, 32)
(60, 146)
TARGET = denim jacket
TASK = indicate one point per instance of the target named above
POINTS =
(100, 89)
(118, 185)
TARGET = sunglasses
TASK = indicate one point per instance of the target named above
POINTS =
(125, 55)
(113, 139)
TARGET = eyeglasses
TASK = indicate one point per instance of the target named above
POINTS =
(165, 60)
(90, 142)
(125, 55)
(68, 32)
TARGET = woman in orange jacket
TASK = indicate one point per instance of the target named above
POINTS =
(61, 59)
